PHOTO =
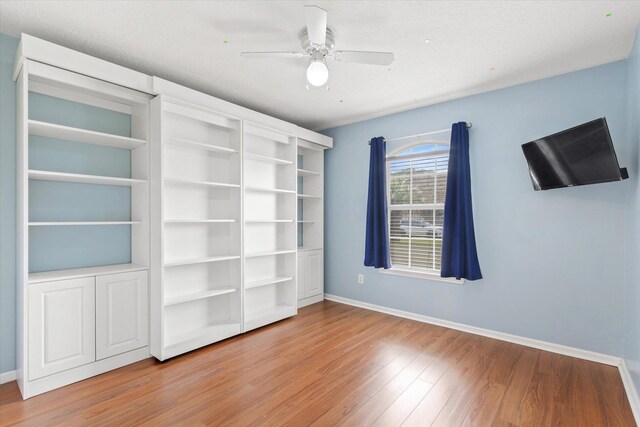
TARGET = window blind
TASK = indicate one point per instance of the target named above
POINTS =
(417, 180)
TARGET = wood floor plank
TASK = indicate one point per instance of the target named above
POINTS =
(465, 399)
(524, 369)
(400, 409)
(335, 364)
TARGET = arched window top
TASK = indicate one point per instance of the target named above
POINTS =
(420, 147)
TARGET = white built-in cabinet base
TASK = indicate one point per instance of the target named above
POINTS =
(311, 300)
(61, 379)
(122, 313)
(83, 327)
(310, 277)
(62, 326)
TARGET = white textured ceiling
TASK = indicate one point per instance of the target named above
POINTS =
(475, 46)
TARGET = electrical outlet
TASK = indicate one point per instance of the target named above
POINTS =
(360, 279)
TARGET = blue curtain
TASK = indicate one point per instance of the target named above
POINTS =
(459, 255)
(376, 252)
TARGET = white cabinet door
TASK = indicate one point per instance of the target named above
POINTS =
(315, 276)
(302, 274)
(121, 313)
(61, 326)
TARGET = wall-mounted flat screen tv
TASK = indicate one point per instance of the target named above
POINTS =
(578, 156)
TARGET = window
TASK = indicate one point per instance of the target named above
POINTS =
(417, 180)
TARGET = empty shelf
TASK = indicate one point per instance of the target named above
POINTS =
(67, 133)
(200, 260)
(269, 253)
(204, 183)
(62, 223)
(200, 145)
(74, 273)
(266, 282)
(266, 133)
(198, 221)
(259, 318)
(269, 190)
(189, 340)
(257, 221)
(303, 172)
(83, 179)
(308, 196)
(197, 296)
(202, 115)
(267, 159)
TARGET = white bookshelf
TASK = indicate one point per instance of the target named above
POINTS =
(310, 213)
(270, 185)
(310, 222)
(197, 234)
(81, 142)
(136, 193)
(97, 96)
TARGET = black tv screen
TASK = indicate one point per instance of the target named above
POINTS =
(578, 156)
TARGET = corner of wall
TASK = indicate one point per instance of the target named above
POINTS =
(630, 369)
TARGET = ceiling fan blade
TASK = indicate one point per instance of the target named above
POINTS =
(362, 57)
(316, 19)
(262, 55)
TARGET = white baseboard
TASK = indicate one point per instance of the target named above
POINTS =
(310, 300)
(632, 392)
(7, 377)
(528, 342)
(70, 376)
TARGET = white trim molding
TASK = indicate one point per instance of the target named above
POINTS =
(7, 377)
(396, 271)
(310, 300)
(632, 392)
(528, 342)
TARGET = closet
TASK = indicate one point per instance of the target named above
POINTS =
(152, 219)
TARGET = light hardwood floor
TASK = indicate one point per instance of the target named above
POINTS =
(339, 365)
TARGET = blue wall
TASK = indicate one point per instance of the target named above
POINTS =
(631, 350)
(54, 248)
(553, 261)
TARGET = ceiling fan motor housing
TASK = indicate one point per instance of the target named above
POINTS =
(308, 47)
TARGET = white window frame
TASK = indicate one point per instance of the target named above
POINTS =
(408, 272)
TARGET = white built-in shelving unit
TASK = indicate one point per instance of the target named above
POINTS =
(152, 219)
(269, 225)
(82, 271)
(310, 219)
(197, 231)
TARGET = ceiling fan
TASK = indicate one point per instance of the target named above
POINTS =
(318, 42)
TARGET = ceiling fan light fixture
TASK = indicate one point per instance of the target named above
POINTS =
(317, 72)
